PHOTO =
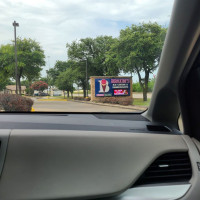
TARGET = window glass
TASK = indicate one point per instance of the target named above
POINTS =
(75, 56)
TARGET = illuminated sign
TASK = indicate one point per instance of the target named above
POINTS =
(120, 92)
(112, 87)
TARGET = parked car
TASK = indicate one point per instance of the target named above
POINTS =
(41, 94)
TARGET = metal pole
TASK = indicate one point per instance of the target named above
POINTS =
(86, 78)
(48, 89)
(16, 70)
(48, 84)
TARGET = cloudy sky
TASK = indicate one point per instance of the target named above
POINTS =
(54, 23)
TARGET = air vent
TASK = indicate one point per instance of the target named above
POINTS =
(170, 167)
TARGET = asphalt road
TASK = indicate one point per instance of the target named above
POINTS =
(71, 106)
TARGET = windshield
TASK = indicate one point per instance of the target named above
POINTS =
(80, 55)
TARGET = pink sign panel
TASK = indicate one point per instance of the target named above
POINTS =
(120, 92)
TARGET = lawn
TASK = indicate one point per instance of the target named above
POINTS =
(140, 102)
(55, 97)
(80, 92)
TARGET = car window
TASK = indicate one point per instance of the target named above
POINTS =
(81, 55)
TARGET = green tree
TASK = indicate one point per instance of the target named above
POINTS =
(112, 59)
(29, 90)
(137, 87)
(54, 72)
(65, 82)
(93, 52)
(30, 56)
(7, 62)
(45, 79)
(4, 82)
(139, 51)
(25, 83)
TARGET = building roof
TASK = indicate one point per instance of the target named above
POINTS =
(13, 87)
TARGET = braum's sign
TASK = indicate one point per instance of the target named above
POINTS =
(112, 87)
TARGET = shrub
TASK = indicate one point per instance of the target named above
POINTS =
(126, 102)
(108, 100)
(82, 98)
(87, 99)
(39, 85)
(14, 102)
(137, 87)
(121, 101)
(79, 98)
(29, 91)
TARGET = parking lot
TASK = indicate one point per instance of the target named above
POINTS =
(74, 106)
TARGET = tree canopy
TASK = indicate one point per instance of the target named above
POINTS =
(30, 57)
(140, 49)
(65, 81)
(59, 67)
(136, 50)
(92, 52)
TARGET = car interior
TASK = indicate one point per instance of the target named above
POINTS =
(115, 156)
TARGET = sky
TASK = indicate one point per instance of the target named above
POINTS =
(54, 23)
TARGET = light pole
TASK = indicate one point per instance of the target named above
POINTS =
(15, 24)
(49, 88)
(86, 70)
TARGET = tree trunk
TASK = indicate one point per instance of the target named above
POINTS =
(144, 94)
(64, 93)
(20, 89)
(146, 82)
(72, 95)
(143, 82)
(84, 92)
(29, 85)
(67, 94)
(19, 80)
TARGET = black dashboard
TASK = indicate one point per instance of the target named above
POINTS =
(87, 122)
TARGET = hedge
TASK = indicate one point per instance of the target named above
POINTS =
(14, 102)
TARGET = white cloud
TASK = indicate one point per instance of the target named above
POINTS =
(55, 23)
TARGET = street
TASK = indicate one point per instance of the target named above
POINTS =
(73, 106)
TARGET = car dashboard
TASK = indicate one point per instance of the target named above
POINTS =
(92, 156)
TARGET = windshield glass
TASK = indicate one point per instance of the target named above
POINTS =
(80, 55)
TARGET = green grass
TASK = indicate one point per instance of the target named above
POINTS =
(140, 102)
(57, 97)
(80, 92)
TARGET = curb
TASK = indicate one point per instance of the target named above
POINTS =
(112, 105)
(52, 100)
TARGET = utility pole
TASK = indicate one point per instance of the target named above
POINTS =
(15, 24)
(49, 88)
(86, 78)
